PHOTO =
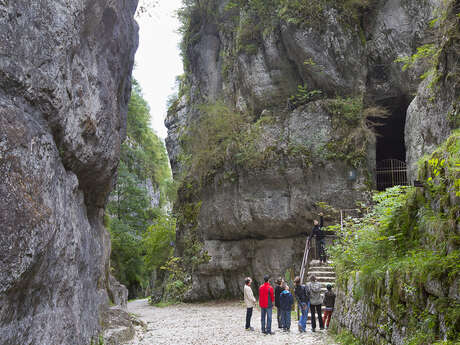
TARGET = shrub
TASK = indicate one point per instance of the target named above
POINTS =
(352, 129)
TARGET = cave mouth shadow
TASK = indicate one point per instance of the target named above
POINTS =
(390, 144)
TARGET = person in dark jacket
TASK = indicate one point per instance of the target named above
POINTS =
(329, 301)
(266, 299)
(302, 296)
(286, 302)
(278, 290)
(318, 233)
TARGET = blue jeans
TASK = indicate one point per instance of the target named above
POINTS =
(304, 316)
(286, 319)
(266, 313)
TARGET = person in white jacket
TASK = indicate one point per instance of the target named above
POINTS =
(250, 302)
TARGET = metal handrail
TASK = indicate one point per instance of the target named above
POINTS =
(304, 268)
(305, 261)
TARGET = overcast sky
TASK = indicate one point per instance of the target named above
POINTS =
(157, 59)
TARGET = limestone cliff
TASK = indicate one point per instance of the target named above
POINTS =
(64, 87)
(308, 78)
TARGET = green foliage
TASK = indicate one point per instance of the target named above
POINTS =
(220, 135)
(99, 340)
(227, 141)
(442, 170)
(130, 218)
(427, 53)
(126, 257)
(178, 280)
(352, 129)
(130, 202)
(303, 13)
(312, 13)
(367, 247)
(346, 338)
(253, 19)
(157, 241)
(402, 242)
(304, 95)
(143, 151)
(430, 55)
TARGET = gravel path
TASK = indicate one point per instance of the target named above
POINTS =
(210, 323)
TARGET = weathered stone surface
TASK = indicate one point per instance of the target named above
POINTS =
(435, 111)
(118, 326)
(395, 29)
(341, 57)
(118, 293)
(374, 317)
(64, 86)
(427, 123)
(232, 261)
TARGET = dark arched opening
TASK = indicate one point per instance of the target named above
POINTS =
(390, 146)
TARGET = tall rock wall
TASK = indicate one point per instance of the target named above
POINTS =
(64, 87)
(403, 304)
(308, 75)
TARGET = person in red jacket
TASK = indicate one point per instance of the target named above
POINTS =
(266, 299)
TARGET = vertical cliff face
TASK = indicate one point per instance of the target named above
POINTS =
(65, 82)
(308, 78)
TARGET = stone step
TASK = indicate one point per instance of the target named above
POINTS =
(321, 274)
(318, 263)
(321, 268)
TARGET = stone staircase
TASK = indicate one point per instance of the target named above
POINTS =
(324, 275)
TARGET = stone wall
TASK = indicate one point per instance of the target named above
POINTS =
(391, 312)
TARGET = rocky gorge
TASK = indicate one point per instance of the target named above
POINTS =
(65, 82)
(293, 91)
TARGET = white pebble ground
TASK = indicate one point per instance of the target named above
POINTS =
(218, 323)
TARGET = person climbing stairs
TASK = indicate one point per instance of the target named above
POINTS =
(324, 274)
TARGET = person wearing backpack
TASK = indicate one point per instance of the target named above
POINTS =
(315, 302)
(302, 296)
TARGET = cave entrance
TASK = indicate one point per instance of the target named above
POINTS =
(390, 147)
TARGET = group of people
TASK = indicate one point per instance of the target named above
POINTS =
(308, 297)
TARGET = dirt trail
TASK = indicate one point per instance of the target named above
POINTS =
(218, 323)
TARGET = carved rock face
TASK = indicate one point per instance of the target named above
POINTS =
(65, 81)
